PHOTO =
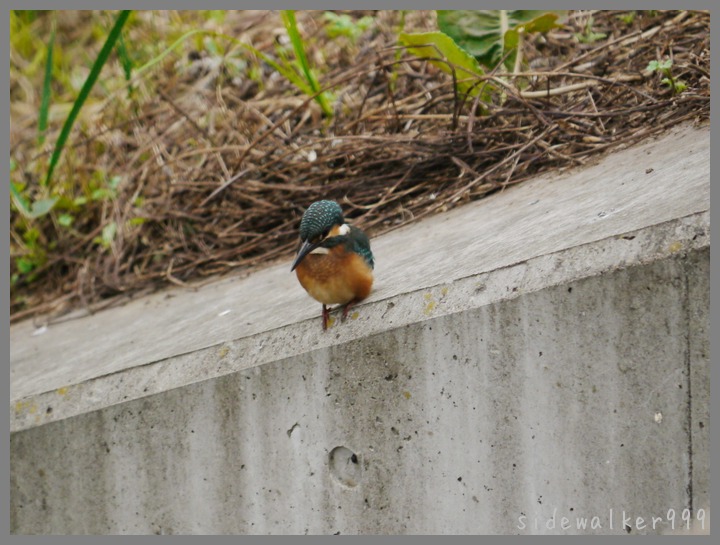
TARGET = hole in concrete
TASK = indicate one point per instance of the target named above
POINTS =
(345, 466)
(294, 430)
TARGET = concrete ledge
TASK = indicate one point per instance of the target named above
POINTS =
(654, 243)
(543, 349)
(124, 353)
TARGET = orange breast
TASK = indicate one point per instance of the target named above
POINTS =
(335, 278)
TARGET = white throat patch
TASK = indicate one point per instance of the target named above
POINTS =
(340, 231)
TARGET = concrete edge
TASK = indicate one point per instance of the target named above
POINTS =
(621, 251)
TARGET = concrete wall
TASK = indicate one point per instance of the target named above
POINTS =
(573, 382)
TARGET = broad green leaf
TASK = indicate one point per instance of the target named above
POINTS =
(108, 235)
(659, 66)
(543, 23)
(482, 33)
(436, 46)
(42, 207)
(23, 265)
(66, 220)
(31, 210)
(102, 194)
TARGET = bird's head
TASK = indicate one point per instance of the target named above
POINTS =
(322, 220)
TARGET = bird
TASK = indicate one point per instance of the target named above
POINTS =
(334, 262)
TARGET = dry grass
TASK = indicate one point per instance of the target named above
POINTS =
(221, 168)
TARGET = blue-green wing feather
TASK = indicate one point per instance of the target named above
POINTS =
(361, 245)
(355, 241)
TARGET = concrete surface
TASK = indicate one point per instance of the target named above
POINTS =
(543, 349)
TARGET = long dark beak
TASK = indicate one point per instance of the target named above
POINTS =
(304, 250)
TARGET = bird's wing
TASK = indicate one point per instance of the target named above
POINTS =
(361, 245)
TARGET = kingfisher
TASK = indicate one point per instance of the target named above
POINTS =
(334, 262)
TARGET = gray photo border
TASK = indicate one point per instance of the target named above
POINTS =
(5, 273)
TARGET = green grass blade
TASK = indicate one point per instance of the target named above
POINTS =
(85, 91)
(125, 59)
(127, 65)
(152, 62)
(27, 16)
(286, 71)
(47, 90)
(288, 17)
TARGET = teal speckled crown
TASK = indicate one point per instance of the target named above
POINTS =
(319, 217)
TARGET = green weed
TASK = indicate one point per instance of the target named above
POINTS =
(288, 17)
(472, 42)
(588, 35)
(665, 68)
(628, 17)
(346, 26)
(492, 35)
